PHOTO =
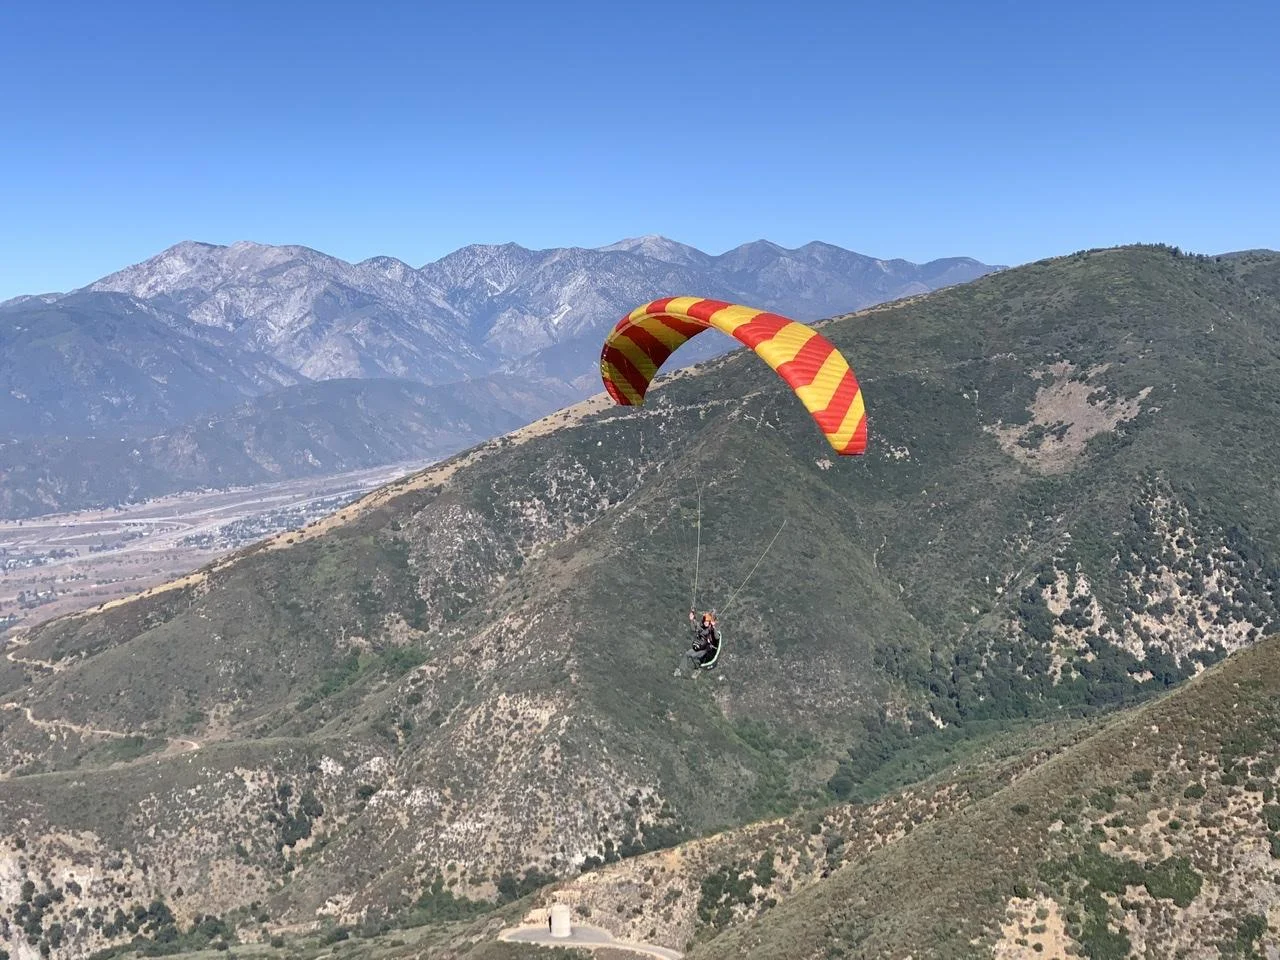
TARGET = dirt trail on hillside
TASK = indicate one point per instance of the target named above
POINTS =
(12, 657)
(176, 744)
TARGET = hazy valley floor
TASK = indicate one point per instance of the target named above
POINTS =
(64, 563)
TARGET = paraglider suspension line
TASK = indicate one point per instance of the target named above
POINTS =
(757, 564)
(693, 600)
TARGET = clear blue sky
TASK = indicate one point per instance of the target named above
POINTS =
(1007, 131)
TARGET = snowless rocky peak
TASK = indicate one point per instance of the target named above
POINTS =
(163, 272)
(488, 304)
(659, 248)
(481, 266)
(388, 267)
(198, 266)
(320, 316)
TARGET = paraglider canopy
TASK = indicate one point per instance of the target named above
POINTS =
(810, 364)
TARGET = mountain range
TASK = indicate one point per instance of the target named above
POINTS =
(1004, 680)
(204, 334)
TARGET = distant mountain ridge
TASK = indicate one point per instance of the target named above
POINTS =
(486, 304)
(201, 329)
(92, 361)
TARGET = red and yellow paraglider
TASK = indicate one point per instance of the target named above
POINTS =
(810, 364)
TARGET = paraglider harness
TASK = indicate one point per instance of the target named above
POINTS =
(706, 641)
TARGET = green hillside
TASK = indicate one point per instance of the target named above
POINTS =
(1067, 505)
(1156, 836)
(1149, 832)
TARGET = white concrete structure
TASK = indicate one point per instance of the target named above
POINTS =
(560, 920)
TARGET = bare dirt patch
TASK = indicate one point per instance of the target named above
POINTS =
(1066, 414)
(1033, 927)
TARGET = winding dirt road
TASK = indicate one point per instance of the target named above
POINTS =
(587, 937)
(176, 744)
(12, 656)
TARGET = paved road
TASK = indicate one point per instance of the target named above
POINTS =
(588, 937)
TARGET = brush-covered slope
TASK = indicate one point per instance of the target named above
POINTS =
(1151, 832)
(1156, 836)
(1067, 503)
